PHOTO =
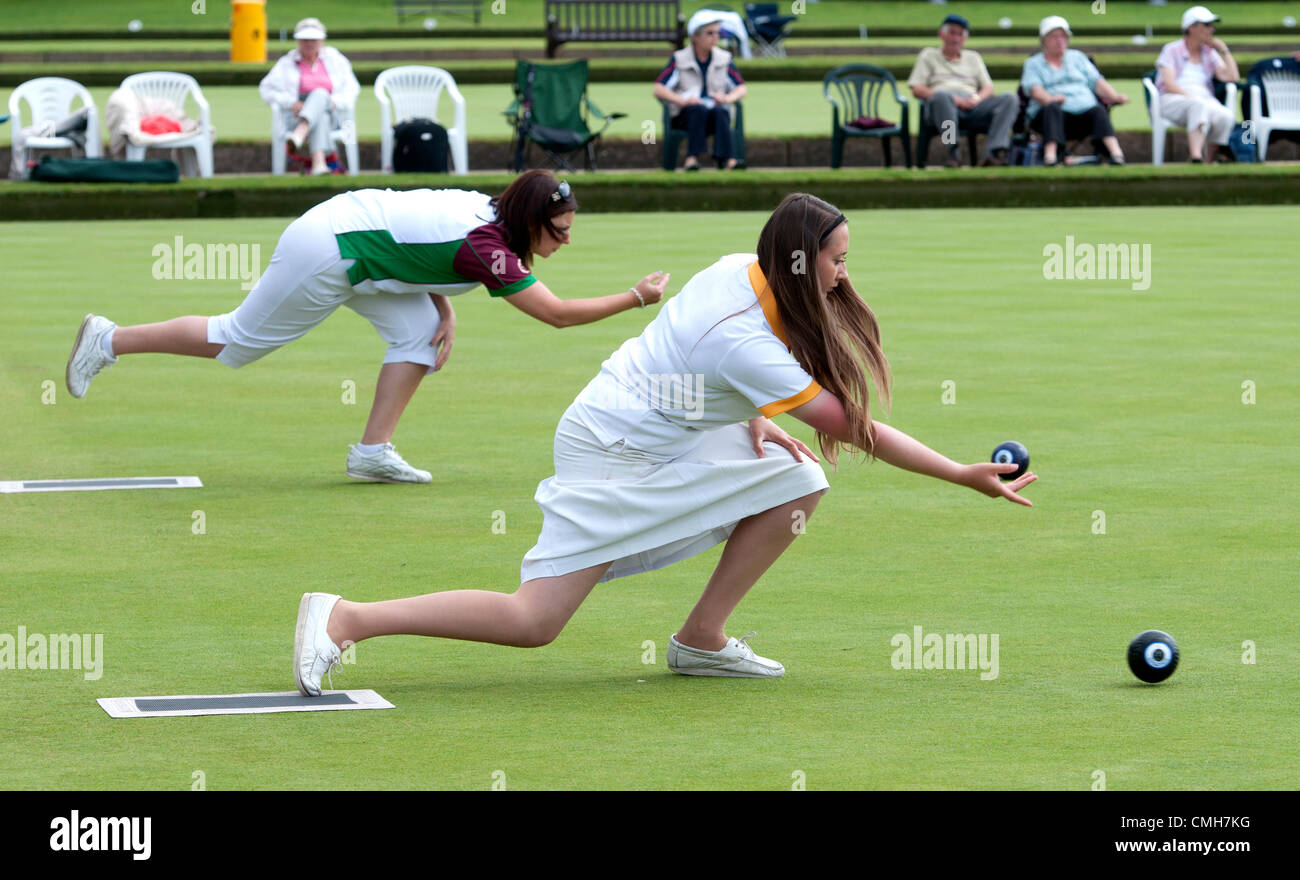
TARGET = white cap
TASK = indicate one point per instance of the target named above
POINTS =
(1198, 14)
(1051, 23)
(702, 18)
(309, 29)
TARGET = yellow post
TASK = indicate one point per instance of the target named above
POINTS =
(248, 31)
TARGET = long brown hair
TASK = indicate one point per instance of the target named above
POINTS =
(527, 207)
(834, 336)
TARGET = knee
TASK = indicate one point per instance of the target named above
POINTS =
(535, 628)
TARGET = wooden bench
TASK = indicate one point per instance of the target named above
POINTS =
(405, 8)
(613, 21)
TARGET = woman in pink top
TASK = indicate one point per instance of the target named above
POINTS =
(310, 85)
(1187, 69)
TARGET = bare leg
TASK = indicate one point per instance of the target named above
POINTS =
(300, 133)
(528, 618)
(1195, 143)
(756, 543)
(318, 165)
(1111, 143)
(397, 383)
(1049, 152)
(188, 335)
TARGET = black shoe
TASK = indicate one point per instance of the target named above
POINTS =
(1117, 159)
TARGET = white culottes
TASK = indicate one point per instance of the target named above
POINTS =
(304, 283)
(1192, 112)
(643, 512)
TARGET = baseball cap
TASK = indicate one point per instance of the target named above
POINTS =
(309, 29)
(957, 19)
(1051, 23)
(1198, 14)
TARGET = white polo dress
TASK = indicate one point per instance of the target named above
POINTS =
(653, 461)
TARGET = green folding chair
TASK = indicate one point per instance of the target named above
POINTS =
(551, 109)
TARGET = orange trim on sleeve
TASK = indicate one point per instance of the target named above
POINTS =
(767, 300)
(775, 409)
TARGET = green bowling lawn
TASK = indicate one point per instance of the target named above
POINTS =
(1160, 420)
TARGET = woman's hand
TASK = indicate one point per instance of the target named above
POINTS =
(296, 108)
(763, 429)
(442, 341)
(446, 332)
(983, 477)
(652, 287)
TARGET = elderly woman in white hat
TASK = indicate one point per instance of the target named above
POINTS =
(699, 85)
(1188, 69)
(1063, 88)
(310, 85)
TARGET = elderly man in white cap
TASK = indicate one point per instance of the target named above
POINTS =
(1063, 88)
(1187, 70)
(310, 85)
(699, 85)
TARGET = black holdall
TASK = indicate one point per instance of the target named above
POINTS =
(420, 145)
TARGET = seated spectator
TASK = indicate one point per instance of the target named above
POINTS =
(954, 83)
(310, 85)
(1063, 88)
(1187, 69)
(699, 85)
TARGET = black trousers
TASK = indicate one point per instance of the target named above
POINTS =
(1057, 126)
(699, 122)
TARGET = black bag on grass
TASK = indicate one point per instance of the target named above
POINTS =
(420, 145)
(57, 170)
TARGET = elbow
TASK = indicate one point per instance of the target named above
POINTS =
(559, 319)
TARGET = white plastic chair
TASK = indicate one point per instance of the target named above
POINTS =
(1282, 88)
(411, 92)
(345, 134)
(175, 87)
(50, 99)
(1160, 127)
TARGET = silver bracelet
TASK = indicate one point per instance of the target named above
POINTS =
(637, 294)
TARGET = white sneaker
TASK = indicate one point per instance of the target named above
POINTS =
(88, 357)
(384, 466)
(735, 659)
(314, 654)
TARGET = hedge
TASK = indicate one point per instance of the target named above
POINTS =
(658, 191)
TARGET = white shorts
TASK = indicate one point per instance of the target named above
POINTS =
(643, 512)
(303, 285)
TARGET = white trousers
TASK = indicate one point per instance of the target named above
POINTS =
(1191, 113)
(303, 285)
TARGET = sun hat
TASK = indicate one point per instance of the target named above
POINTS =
(309, 29)
(1051, 23)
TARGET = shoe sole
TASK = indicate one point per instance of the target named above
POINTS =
(300, 631)
(76, 346)
(371, 478)
(722, 673)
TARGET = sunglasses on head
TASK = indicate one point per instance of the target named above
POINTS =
(562, 192)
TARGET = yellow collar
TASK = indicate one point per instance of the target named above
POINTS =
(767, 300)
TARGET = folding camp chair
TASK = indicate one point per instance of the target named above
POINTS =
(768, 28)
(551, 109)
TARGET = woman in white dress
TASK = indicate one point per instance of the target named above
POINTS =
(670, 450)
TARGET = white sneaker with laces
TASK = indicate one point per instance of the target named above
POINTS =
(88, 357)
(736, 659)
(314, 654)
(384, 466)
